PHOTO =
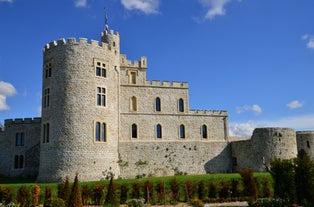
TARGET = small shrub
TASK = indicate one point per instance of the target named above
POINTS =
(266, 188)
(175, 189)
(201, 190)
(124, 189)
(135, 202)
(148, 191)
(224, 191)
(55, 202)
(161, 194)
(112, 196)
(249, 183)
(234, 189)
(189, 188)
(212, 190)
(86, 195)
(7, 195)
(35, 193)
(136, 190)
(23, 196)
(97, 194)
(47, 193)
(1, 194)
(75, 196)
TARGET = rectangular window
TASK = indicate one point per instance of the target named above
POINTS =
(101, 96)
(46, 132)
(100, 132)
(18, 161)
(48, 70)
(19, 139)
(46, 100)
(132, 77)
(101, 69)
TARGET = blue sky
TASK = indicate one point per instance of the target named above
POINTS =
(253, 58)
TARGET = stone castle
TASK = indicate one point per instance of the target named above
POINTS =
(101, 115)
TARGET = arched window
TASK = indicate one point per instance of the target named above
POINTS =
(181, 105)
(182, 131)
(133, 104)
(134, 131)
(21, 162)
(204, 131)
(159, 131)
(158, 104)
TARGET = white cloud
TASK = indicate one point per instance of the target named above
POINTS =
(80, 3)
(256, 109)
(304, 122)
(146, 6)
(6, 89)
(8, 1)
(310, 40)
(295, 104)
(215, 7)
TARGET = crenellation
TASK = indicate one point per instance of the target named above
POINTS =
(61, 41)
(166, 83)
(208, 112)
(94, 43)
(9, 122)
(71, 40)
(83, 41)
(156, 83)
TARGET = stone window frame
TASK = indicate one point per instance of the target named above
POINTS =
(182, 134)
(19, 161)
(103, 132)
(133, 103)
(101, 96)
(204, 131)
(181, 105)
(159, 131)
(133, 74)
(19, 139)
(48, 69)
(134, 131)
(46, 132)
(101, 68)
(157, 104)
(46, 98)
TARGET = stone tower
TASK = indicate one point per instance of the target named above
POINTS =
(80, 111)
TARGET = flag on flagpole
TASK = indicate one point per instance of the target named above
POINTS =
(106, 22)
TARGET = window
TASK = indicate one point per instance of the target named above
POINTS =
(134, 131)
(101, 96)
(19, 139)
(46, 97)
(181, 105)
(101, 69)
(182, 131)
(46, 133)
(100, 132)
(132, 77)
(159, 131)
(133, 103)
(18, 161)
(158, 104)
(48, 69)
(308, 144)
(204, 131)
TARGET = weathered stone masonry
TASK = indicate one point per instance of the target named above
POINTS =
(100, 115)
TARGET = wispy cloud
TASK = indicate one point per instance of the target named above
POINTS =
(6, 90)
(215, 7)
(145, 6)
(295, 104)
(7, 1)
(310, 41)
(256, 109)
(245, 129)
(80, 3)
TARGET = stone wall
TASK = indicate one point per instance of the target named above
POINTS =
(265, 145)
(167, 158)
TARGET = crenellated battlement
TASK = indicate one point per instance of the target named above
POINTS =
(124, 62)
(9, 122)
(209, 112)
(80, 41)
(173, 84)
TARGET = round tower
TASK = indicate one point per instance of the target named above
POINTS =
(271, 143)
(305, 140)
(80, 109)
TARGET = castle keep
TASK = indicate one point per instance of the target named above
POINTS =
(100, 115)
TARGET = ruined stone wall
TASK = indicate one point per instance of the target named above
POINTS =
(161, 158)
(28, 148)
(305, 141)
(265, 145)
